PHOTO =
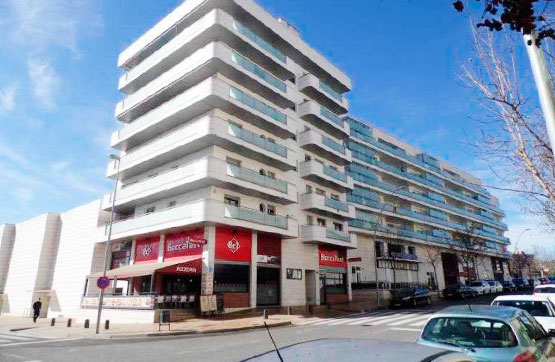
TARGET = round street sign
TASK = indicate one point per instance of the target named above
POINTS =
(103, 282)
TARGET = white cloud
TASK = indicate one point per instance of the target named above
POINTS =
(7, 98)
(23, 194)
(45, 82)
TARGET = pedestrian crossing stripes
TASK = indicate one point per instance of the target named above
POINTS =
(383, 318)
(9, 338)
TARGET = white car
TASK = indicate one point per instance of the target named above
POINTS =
(480, 286)
(495, 286)
(546, 290)
(539, 306)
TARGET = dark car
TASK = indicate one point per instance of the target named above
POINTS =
(458, 291)
(410, 296)
(509, 286)
(544, 281)
(520, 283)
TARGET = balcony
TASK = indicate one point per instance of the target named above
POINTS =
(323, 119)
(201, 212)
(323, 93)
(216, 24)
(211, 93)
(325, 147)
(325, 175)
(215, 57)
(197, 135)
(326, 206)
(200, 173)
(316, 234)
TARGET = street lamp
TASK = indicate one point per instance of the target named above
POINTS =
(382, 209)
(106, 254)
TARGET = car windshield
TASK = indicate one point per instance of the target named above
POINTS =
(476, 284)
(535, 308)
(469, 332)
(545, 290)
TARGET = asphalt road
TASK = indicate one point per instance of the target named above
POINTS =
(384, 325)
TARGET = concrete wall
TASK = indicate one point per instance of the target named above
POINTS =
(7, 235)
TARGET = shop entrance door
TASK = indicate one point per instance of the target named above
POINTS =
(267, 286)
(173, 284)
(322, 288)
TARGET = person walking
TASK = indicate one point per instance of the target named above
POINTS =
(36, 310)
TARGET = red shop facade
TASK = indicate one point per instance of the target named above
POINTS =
(333, 274)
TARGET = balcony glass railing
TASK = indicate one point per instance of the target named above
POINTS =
(259, 41)
(256, 140)
(258, 105)
(259, 71)
(326, 88)
(336, 204)
(334, 173)
(251, 215)
(330, 116)
(338, 235)
(256, 178)
(333, 145)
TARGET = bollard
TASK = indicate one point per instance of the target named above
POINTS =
(107, 324)
(265, 314)
(86, 323)
(69, 322)
(52, 322)
(288, 310)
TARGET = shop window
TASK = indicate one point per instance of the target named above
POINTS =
(338, 226)
(271, 210)
(231, 200)
(321, 222)
(150, 209)
(335, 282)
(231, 278)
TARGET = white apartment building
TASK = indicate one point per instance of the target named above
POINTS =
(240, 175)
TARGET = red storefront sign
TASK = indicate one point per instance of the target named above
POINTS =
(334, 257)
(269, 249)
(233, 245)
(188, 268)
(183, 244)
(146, 250)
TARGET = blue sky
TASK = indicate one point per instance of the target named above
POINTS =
(58, 87)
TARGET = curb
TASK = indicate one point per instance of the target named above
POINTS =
(195, 332)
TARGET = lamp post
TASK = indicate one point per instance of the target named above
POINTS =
(108, 246)
(382, 209)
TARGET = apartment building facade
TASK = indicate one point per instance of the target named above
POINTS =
(239, 174)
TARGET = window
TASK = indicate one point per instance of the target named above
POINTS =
(262, 207)
(307, 158)
(309, 220)
(379, 247)
(233, 161)
(334, 282)
(231, 278)
(231, 200)
(470, 332)
(535, 331)
(271, 210)
(338, 226)
(333, 168)
(308, 189)
(150, 209)
(321, 222)
(394, 248)
(262, 172)
(320, 192)
(412, 250)
(535, 308)
(271, 175)
(334, 197)
(172, 204)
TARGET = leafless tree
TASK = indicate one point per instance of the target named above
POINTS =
(512, 137)
(468, 246)
(432, 254)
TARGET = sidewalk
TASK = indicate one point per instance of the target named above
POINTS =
(42, 329)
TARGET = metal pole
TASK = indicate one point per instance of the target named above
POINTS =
(544, 84)
(101, 299)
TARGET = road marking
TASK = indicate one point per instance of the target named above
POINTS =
(414, 319)
(16, 337)
(343, 320)
(387, 320)
(405, 329)
(365, 320)
(35, 342)
(419, 324)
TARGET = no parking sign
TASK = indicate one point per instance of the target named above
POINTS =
(103, 282)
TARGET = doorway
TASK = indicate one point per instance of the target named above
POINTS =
(267, 286)
(310, 286)
(450, 263)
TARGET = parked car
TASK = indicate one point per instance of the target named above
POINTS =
(489, 333)
(410, 296)
(480, 286)
(520, 283)
(459, 291)
(509, 286)
(495, 286)
(547, 290)
(551, 280)
(544, 281)
(338, 349)
(539, 307)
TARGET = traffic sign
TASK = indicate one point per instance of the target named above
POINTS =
(103, 282)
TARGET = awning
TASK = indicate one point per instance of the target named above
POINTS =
(137, 270)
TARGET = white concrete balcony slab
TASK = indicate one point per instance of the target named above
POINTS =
(201, 173)
(325, 175)
(202, 212)
(316, 234)
(325, 147)
(215, 57)
(211, 93)
(324, 119)
(198, 134)
(323, 93)
(326, 206)
(216, 25)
